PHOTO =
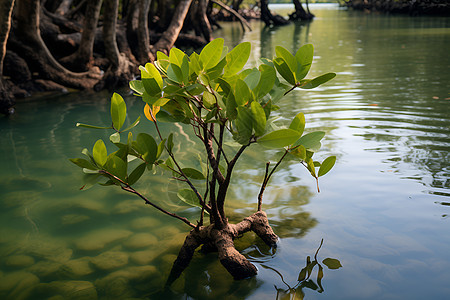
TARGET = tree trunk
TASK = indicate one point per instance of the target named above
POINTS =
(32, 48)
(6, 99)
(169, 36)
(143, 34)
(82, 59)
(222, 240)
(205, 26)
(120, 70)
(63, 7)
(270, 19)
(300, 13)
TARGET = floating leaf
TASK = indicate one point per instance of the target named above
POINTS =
(332, 263)
(279, 138)
(118, 111)
(327, 165)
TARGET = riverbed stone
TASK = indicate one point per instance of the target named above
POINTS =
(45, 269)
(144, 223)
(98, 239)
(140, 240)
(17, 285)
(19, 261)
(71, 219)
(145, 257)
(166, 232)
(68, 289)
(110, 260)
(128, 206)
(75, 268)
(48, 249)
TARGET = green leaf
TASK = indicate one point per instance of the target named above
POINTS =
(287, 57)
(194, 63)
(332, 263)
(99, 152)
(176, 56)
(259, 118)
(284, 70)
(161, 102)
(116, 166)
(310, 166)
(298, 123)
(208, 99)
(170, 143)
(136, 174)
(279, 138)
(244, 125)
(211, 54)
(311, 140)
(237, 58)
(174, 73)
(299, 152)
(304, 57)
(151, 79)
(193, 173)
(252, 78)
(137, 86)
(92, 126)
(327, 165)
(118, 111)
(242, 94)
(188, 196)
(115, 138)
(266, 81)
(160, 148)
(147, 147)
(82, 163)
(310, 84)
(133, 125)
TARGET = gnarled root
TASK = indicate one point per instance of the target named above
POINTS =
(235, 263)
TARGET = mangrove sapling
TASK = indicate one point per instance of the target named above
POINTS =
(217, 98)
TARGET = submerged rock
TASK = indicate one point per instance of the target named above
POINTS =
(110, 260)
(68, 290)
(98, 239)
(128, 206)
(145, 257)
(19, 261)
(17, 285)
(76, 268)
(48, 249)
(144, 223)
(73, 219)
(45, 269)
(140, 240)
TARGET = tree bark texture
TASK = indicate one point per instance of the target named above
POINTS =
(267, 16)
(234, 262)
(143, 34)
(6, 99)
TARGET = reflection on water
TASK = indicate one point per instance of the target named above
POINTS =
(382, 210)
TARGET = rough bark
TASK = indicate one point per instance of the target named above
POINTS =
(235, 263)
(6, 99)
(205, 26)
(143, 34)
(31, 47)
(120, 69)
(82, 59)
(63, 7)
(244, 23)
(169, 36)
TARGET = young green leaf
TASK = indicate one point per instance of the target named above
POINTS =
(327, 165)
(298, 123)
(287, 57)
(242, 94)
(147, 147)
(151, 79)
(116, 166)
(304, 57)
(99, 152)
(266, 81)
(137, 86)
(118, 111)
(299, 152)
(82, 163)
(92, 126)
(211, 54)
(279, 138)
(133, 125)
(170, 143)
(237, 58)
(115, 138)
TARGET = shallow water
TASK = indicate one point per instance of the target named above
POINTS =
(382, 211)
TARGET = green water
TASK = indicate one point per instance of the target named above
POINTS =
(382, 211)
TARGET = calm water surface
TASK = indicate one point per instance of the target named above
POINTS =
(382, 211)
